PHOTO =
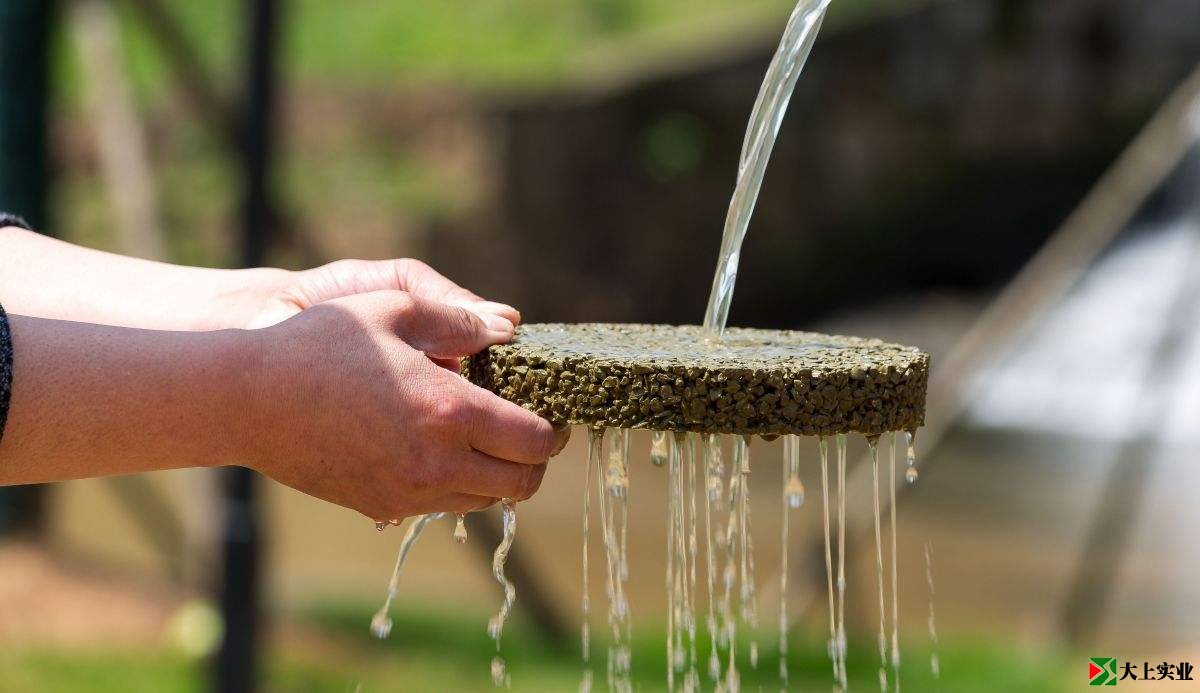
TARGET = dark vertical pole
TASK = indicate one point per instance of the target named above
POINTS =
(24, 90)
(240, 602)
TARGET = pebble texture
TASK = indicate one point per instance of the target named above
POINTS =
(665, 377)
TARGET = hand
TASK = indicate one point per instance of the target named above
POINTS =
(272, 296)
(348, 407)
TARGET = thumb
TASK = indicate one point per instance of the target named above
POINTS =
(443, 330)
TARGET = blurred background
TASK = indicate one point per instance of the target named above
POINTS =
(1012, 185)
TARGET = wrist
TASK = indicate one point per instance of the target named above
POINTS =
(243, 296)
(240, 360)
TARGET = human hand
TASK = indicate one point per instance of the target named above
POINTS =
(267, 297)
(345, 403)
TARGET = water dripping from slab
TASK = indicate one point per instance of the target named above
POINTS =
(500, 676)
(381, 622)
(873, 443)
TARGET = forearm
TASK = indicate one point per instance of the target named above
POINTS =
(91, 400)
(47, 278)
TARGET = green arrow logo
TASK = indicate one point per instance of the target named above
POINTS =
(1102, 671)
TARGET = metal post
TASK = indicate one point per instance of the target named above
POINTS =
(240, 589)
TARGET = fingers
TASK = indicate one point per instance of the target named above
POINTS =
(463, 503)
(483, 475)
(447, 503)
(451, 364)
(502, 429)
(445, 331)
(422, 280)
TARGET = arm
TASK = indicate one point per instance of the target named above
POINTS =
(47, 278)
(93, 400)
(342, 402)
(132, 365)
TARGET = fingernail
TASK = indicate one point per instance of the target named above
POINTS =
(496, 323)
(562, 434)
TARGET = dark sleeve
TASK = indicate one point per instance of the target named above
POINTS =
(6, 369)
(6, 352)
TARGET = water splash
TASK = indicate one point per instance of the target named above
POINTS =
(381, 622)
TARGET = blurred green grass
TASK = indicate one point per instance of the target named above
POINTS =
(472, 43)
(450, 652)
(342, 64)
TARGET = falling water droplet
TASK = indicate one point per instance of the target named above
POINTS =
(910, 457)
(754, 655)
(714, 666)
(794, 492)
(380, 526)
(499, 674)
(381, 626)
(658, 448)
(460, 530)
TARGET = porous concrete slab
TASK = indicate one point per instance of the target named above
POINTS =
(666, 377)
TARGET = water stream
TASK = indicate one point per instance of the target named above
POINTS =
(832, 646)
(714, 486)
(839, 644)
(793, 497)
(935, 666)
(765, 120)
(895, 566)
(585, 635)
(381, 623)
(873, 442)
(508, 508)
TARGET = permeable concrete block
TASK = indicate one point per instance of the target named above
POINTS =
(673, 378)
